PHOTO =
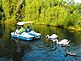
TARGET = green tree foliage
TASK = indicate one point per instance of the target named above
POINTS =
(48, 12)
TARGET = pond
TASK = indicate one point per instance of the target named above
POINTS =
(39, 50)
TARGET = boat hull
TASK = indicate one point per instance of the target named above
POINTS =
(32, 35)
(36, 35)
(23, 36)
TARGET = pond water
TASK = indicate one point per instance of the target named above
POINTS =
(39, 50)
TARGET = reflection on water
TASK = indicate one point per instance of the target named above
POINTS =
(39, 50)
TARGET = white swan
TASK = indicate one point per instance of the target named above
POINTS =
(63, 42)
(53, 36)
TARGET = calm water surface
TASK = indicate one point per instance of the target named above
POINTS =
(39, 50)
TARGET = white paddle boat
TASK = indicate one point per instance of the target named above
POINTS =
(26, 35)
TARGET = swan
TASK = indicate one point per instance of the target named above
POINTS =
(70, 53)
(53, 36)
(62, 42)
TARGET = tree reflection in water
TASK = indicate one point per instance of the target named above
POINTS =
(22, 47)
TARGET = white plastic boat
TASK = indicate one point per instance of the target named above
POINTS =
(26, 36)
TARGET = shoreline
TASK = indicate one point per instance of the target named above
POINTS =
(78, 29)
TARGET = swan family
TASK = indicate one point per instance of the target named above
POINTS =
(53, 38)
(63, 42)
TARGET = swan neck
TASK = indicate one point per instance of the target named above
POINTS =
(47, 36)
(56, 41)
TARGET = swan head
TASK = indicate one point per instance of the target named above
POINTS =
(55, 40)
(54, 35)
(47, 36)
